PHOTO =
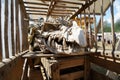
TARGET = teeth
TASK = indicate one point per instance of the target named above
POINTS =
(64, 44)
(49, 40)
(53, 43)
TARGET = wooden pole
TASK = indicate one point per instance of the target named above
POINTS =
(86, 27)
(112, 29)
(95, 27)
(17, 29)
(12, 28)
(0, 35)
(102, 29)
(6, 29)
(90, 29)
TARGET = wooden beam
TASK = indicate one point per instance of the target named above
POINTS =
(70, 2)
(12, 27)
(65, 10)
(102, 28)
(17, 28)
(23, 7)
(61, 6)
(56, 12)
(112, 28)
(31, 7)
(110, 65)
(95, 27)
(6, 30)
(36, 11)
(0, 35)
(83, 8)
(36, 3)
(50, 9)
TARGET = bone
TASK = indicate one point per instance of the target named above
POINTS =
(49, 41)
(64, 44)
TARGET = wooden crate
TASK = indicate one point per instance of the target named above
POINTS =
(67, 68)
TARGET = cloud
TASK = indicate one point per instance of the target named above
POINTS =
(117, 10)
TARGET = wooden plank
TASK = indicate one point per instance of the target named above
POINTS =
(56, 12)
(72, 62)
(86, 68)
(65, 10)
(95, 27)
(40, 54)
(83, 8)
(102, 28)
(36, 11)
(23, 8)
(17, 28)
(25, 70)
(6, 29)
(70, 2)
(110, 65)
(51, 7)
(0, 35)
(72, 76)
(55, 72)
(36, 3)
(60, 6)
(12, 28)
(32, 7)
(112, 28)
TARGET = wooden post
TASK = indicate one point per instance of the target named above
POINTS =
(12, 28)
(90, 30)
(80, 21)
(0, 35)
(95, 27)
(86, 27)
(112, 29)
(6, 29)
(102, 29)
(17, 29)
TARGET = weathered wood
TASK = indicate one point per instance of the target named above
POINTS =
(72, 62)
(111, 65)
(72, 76)
(56, 12)
(12, 27)
(55, 72)
(95, 28)
(17, 28)
(0, 35)
(56, 67)
(70, 2)
(32, 7)
(51, 7)
(112, 28)
(82, 9)
(23, 8)
(102, 28)
(74, 7)
(11, 69)
(6, 30)
(90, 29)
(36, 11)
(86, 68)
(40, 54)
(65, 10)
(25, 70)
(36, 3)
